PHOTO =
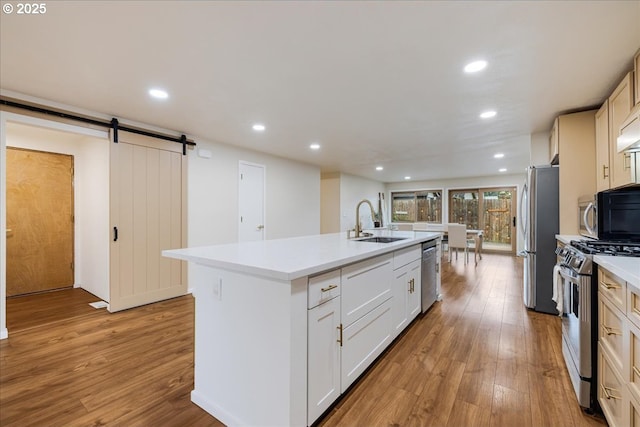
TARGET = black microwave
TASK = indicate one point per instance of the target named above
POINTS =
(618, 214)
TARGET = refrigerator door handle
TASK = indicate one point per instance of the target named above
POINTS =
(529, 291)
(523, 209)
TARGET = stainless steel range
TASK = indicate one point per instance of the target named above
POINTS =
(579, 320)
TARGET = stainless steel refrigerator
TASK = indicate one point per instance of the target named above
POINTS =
(539, 223)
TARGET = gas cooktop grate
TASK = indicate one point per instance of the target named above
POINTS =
(594, 247)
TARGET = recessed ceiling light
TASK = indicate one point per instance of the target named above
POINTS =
(475, 66)
(502, 170)
(488, 114)
(379, 168)
(258, 127)
(315, 146)
(498, 155)
(158, 93)
(407, 177)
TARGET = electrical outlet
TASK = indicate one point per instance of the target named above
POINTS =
(217, 289)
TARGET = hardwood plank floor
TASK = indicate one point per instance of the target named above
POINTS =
(478, 358)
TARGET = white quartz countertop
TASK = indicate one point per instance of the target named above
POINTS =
(627, 268)
(289, 259)
(567, 238)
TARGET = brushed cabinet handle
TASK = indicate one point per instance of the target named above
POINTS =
(328, 288)
(607, 392)
(604, 171)
(340, 339)
(610, 331)
(610, 285)
(626, 166)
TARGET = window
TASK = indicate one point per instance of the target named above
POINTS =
(463, 207)
(416, 206)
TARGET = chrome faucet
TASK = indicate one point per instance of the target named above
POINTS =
(373, 216)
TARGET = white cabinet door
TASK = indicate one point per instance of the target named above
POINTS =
(365, 340)
(407, 301)
(365, 285)
(323, 358)
(414, 292)
(400, 300)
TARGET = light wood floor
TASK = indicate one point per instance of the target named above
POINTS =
(478, 358)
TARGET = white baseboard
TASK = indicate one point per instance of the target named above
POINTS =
(4, 334)
(213, 409)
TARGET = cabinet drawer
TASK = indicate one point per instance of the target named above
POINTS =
(404, 256)
(611, 392)
(633, 368)
(633, 305)
(611, 331)
(613, 287)
(365, 285)
(323, 287)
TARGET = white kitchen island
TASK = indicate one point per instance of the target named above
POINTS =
(283, 327)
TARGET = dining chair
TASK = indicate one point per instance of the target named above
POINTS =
(458, 240)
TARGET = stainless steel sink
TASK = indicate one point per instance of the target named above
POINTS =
(380, 239)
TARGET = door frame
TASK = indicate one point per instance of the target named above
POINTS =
(481, 190)
(7, 116)
(512, 214)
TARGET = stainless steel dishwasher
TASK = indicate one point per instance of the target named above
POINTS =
(429, 276)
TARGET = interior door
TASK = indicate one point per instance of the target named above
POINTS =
(39, 221)
(148, 215)
(251, 202)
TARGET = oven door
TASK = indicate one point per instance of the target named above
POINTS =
(576, 321)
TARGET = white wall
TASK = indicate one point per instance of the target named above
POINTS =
(353, 189)
(330, 203)
(91, 197)
(512, 180)
(292, 196)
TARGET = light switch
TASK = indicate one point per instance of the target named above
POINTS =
(217, 289)
(205, 154)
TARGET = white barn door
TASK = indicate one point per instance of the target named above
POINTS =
(147, 215)
(251, 202)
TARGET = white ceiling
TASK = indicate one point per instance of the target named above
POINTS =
(375, 83)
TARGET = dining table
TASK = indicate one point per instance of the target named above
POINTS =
(476, 235)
